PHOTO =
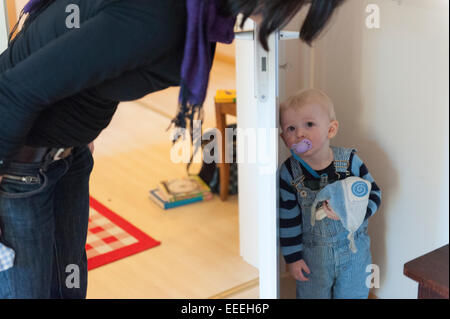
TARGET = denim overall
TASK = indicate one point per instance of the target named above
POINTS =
(336, 272)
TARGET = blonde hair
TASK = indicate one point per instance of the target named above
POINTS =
(302, 97)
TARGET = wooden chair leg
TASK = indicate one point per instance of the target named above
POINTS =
(220, 123)
(225, 181)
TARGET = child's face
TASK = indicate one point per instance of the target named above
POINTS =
(310, 121)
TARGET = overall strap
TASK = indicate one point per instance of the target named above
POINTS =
(297, 173)
(342, 159)
(305, 165)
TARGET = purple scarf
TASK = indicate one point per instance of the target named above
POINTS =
(30, 6)
(204, 28)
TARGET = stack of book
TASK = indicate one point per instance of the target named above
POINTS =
(180, 191)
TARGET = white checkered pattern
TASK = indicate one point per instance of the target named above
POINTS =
(104, 236)
(6, 257)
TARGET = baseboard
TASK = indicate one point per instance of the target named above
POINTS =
(237, 289)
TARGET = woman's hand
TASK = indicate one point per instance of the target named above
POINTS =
(91, 147)
(329, 211)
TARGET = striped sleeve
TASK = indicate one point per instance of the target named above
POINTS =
(290, 220)
(360, 169)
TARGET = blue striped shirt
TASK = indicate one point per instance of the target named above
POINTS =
(290, 222)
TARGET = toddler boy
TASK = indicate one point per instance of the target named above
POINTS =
(317, 251)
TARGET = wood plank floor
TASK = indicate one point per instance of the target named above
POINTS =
(199, 255)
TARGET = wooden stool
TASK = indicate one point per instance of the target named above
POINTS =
(224, 106)
(431, 272)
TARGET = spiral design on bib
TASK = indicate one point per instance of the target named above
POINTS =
(360, 189)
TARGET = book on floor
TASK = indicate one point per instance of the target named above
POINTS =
(184, 188)
(180, 191)
(158, 198)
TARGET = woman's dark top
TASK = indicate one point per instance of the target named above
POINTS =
(60, 86)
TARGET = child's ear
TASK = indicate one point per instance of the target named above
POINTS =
(280, 129)
(284, 139)
(334, 127)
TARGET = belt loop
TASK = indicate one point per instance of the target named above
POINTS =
(48, 159)
(55, 154)
(58, 153)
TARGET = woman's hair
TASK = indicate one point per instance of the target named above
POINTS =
(277, 13)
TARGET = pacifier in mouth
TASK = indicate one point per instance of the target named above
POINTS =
(302, 147)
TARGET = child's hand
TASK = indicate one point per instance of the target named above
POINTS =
(296, 270)
(329, 211)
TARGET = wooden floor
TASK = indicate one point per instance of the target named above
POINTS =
(199, 255)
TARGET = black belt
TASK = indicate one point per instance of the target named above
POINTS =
(28, 154)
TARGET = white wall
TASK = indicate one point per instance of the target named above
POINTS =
(226, 52)
(390, 88)
(4, 20)
(4, 29)
(20, 4)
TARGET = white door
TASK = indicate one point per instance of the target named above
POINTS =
(257, 83)
(256, 86)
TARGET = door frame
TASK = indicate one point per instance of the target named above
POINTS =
(257, 108)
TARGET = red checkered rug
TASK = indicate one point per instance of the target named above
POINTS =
(110, 237)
